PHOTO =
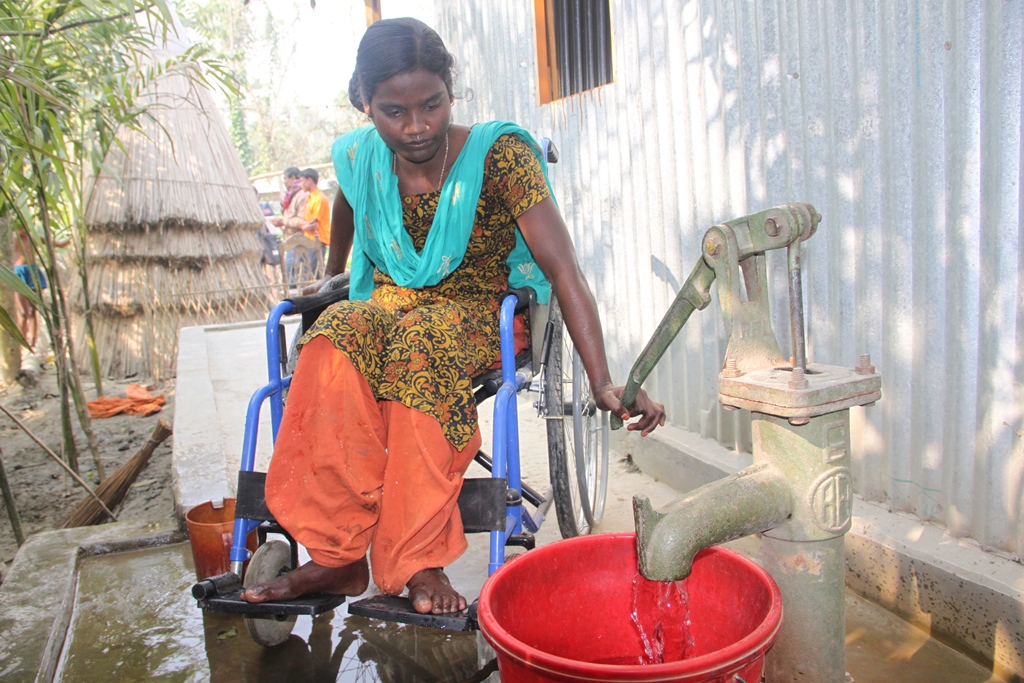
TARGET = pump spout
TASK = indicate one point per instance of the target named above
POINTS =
(752, 500)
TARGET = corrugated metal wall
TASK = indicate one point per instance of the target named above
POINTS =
(900, 121)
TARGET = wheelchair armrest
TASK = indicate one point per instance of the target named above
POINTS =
(526, 297)
(335, 290)
(539, 314)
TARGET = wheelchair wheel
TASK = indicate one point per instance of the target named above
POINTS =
(577, 437)
(267, 563)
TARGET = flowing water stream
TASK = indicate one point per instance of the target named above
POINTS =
(661, 613)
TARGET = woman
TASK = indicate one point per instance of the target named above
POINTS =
(380, 423)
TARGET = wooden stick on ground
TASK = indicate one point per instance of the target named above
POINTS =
(114, 488)
(60, 462)
(12, 511)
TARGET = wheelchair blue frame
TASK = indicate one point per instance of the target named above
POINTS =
(505, 455)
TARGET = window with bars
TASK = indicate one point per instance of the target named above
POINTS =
(574, 46)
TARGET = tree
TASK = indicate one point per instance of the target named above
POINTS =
(257, 43)
(71, 73)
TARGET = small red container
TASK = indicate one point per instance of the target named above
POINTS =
(564, 612)
(209, 534)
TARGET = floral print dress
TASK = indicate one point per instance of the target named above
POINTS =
(422, 347)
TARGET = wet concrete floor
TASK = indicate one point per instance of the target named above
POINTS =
(134, 620)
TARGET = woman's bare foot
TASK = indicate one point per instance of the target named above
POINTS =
(431, 593)
(352, 579)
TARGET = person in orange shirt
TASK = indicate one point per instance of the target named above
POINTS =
(318, 212)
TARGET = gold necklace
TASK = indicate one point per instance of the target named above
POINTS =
(444, 162)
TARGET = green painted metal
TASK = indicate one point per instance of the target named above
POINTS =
(749, 501)
(798, 492)
(727, 250)
(811, 645)
(814, 461)
(694, 296)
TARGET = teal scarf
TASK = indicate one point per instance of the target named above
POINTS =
(363, 164)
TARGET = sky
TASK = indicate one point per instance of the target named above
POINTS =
(326, 41)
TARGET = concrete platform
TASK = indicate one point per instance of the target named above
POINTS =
(219, 368)
(111, 601)
(38, 596)
(960, 595)
(949, 587)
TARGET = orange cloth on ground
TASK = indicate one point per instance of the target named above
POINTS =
(137, 401)
(318, 208)
(350, 472)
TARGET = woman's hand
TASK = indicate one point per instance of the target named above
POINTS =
(652, 413)
(316, 286)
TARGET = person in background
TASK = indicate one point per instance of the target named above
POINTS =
(270, 253)
(292, 184)
(32, 275)
(318, 214)
(292, 219)
(293, 204)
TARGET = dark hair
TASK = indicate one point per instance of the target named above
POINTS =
(311, 174)
(397, 46)
(291, 172)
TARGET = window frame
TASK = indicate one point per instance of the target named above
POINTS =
(581, 65)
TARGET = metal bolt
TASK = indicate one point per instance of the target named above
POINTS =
(864, 366)
(799, 421)
(797, 380)
(729, 408)
(712, 246)
(730, 368)
(772, 228)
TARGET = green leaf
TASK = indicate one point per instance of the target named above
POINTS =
(8, 278)
(8, 325)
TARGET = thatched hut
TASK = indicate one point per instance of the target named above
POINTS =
(171, 235)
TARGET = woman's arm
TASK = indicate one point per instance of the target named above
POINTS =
(548, 238)
(342, 231)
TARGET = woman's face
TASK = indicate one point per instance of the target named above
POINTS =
(412, 112)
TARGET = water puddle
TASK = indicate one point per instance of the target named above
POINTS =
(134, 620)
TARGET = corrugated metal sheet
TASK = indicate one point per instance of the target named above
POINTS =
(900, 121)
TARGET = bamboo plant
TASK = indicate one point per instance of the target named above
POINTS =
(71, 73)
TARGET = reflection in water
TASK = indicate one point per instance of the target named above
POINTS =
(134, 620)
(360, 650)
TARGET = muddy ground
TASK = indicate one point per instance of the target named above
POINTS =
(43, 494)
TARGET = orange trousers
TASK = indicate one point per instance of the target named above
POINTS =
(350, 472)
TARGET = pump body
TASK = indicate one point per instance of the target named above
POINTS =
(798, 491)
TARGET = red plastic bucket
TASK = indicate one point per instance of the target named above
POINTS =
(565, 612)
(209, 533)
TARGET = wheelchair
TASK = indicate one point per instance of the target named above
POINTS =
(577, 440)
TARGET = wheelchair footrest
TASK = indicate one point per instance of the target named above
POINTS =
(223, 593)
(523, 540)
(393, 608)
